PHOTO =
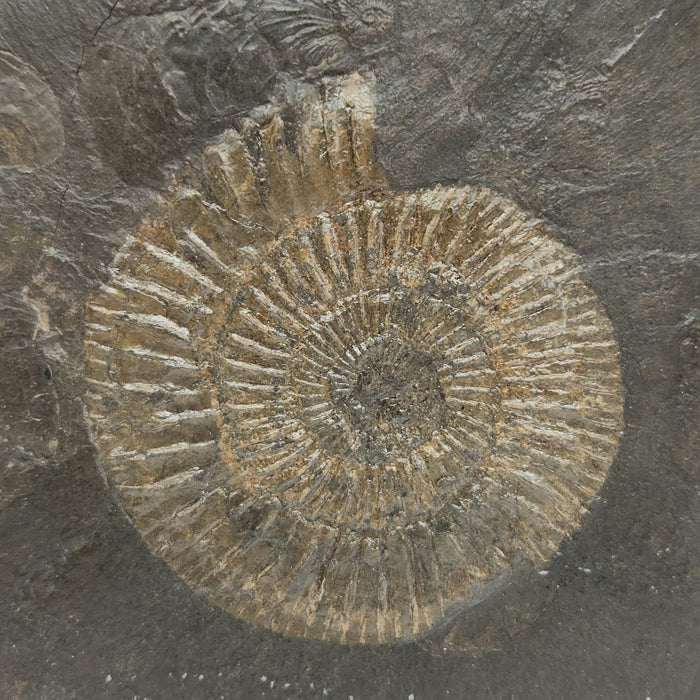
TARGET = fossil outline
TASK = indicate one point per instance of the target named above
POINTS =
(204, 399)
(31, 125)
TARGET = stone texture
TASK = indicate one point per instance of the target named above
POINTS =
(585, 114)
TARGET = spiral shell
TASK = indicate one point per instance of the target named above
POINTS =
(337, 410)
(31, 131)
(320, 34)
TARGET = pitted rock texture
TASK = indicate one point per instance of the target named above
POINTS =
(391, 397)
(337, 410)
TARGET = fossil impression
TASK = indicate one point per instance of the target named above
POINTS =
(326, 33)
(31, 131)
(340, 411)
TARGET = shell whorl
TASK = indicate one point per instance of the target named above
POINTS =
(337, 410)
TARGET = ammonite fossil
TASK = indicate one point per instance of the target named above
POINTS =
(166, 74)
(31, 130)
(321, 34)
(157, 80)
(340, 411)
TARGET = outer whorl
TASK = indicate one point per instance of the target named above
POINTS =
(341, 415)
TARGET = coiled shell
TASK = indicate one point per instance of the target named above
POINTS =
(340, 411)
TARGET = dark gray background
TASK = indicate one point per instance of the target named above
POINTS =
(586, 113)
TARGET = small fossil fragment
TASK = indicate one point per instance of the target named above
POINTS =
(317, 35)
(341, 411)
(31, 131)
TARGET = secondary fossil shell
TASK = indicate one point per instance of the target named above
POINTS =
(322, 34)
(340, 411)
(31, 132)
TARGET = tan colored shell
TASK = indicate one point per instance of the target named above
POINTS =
(340, 411)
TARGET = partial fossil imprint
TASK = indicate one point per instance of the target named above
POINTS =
(340, 411)
(162, 72)
(31, 130)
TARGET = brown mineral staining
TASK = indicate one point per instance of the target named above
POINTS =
(31, 132)
(339, 411)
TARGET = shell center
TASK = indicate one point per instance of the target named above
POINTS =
(392, 398)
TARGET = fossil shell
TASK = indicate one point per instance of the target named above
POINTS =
(156, 80)
(322, 33)
(31, 131)
(340, 411)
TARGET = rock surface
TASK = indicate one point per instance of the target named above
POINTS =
(585, 114)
